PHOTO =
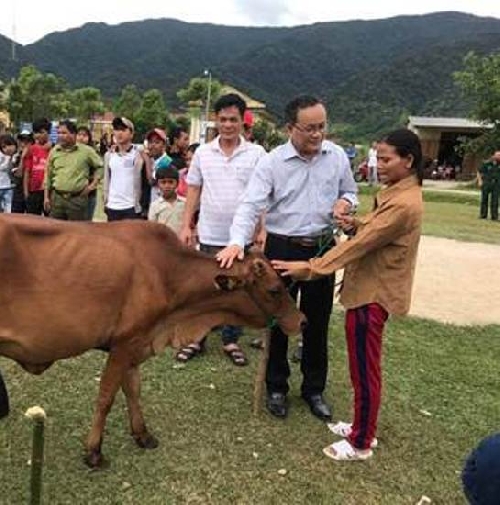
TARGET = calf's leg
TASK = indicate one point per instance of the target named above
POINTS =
(131, 387)
(111, 379)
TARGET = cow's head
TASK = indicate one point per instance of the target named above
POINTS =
(257, 277)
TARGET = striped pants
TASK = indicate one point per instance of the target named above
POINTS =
(364, 327)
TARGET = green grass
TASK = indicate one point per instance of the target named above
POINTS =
(449, 215)
(214, 451)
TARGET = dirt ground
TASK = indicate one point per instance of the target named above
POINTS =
(457, 282)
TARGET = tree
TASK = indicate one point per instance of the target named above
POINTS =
(152, 111)
(197, 90)
(86, 102)
(480, 83)
(266, 134)
(128, 103)
(34, 94)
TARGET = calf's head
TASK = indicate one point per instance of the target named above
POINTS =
(257, 277)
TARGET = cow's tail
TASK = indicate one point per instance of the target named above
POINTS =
(4, 399)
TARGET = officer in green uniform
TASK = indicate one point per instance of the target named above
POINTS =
(489, 182)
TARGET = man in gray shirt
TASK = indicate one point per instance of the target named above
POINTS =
(303, 185)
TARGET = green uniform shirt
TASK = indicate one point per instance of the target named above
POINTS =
(490, 172)
(69, 169)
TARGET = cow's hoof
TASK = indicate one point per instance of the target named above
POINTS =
(146, 441)
(94, 460)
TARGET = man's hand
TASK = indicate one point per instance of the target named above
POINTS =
(347, 222)
(86, 190)
(298, 270)
(341, 208)
(186, 236)
(46, 204)
(227, 256)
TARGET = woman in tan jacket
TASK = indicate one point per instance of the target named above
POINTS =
(379, 265)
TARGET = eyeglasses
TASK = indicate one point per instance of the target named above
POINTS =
(311, 129)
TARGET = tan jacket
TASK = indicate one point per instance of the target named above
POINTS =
(381, 258)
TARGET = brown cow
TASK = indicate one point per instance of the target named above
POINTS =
(129, 288)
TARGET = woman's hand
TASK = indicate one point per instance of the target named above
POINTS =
(298, 270)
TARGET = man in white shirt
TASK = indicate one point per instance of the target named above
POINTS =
(372, 165)
(122, 174)
(217, 178)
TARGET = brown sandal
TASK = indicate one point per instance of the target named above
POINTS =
(189, 352)
(237, 356)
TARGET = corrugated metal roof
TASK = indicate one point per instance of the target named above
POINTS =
(446, 122)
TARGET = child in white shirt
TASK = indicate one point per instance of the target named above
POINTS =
(168, 208)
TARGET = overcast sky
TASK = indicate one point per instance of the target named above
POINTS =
(35, 18)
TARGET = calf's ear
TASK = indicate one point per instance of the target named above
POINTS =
(259, 267)
(228, 282)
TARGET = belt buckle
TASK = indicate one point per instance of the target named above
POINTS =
(308, 242)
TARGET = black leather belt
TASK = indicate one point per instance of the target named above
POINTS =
(316, 241)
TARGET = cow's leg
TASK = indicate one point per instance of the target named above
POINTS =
(131, 386)
(111, 380)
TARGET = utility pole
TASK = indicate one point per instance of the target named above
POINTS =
(13, 41)
(209, 92)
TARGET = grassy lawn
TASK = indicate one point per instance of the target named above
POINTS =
(450, 215)
(213, 451)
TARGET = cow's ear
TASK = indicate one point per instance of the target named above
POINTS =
(227, 282)
(259, 267)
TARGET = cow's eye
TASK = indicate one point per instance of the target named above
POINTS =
(274, 291)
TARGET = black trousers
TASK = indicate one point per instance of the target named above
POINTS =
(316, 301)
(34, 203)
(120, 215)
(489, 193)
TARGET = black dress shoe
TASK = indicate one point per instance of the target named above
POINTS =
(276, 404)
(318, 407)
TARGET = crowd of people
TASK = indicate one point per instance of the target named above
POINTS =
(228, 194)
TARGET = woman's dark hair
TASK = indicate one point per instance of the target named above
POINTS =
(192, 147)
(301, 102)
(86, 130)
(42, 124)
(7, 140)
(406, 143)
(71, 127)
(175, 133)
(231, 100)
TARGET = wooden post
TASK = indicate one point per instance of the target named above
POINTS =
(258, 391)
(37, 414)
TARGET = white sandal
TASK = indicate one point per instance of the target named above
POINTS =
(344, 430)
(344, 451)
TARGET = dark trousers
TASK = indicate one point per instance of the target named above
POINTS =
(364, 327)
(489, 193)
(229, 334)
(34, 203)
(69, 207)
(18, 203)
(120, 215)
(316, 301)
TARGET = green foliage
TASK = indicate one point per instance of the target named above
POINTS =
(34, 94)
(197, 90)
(152, 112)
(480, 82)
(371, 74)
(128, 103)
(267, 135)
(86, 102)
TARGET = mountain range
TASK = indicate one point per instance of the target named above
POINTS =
(372, 74)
